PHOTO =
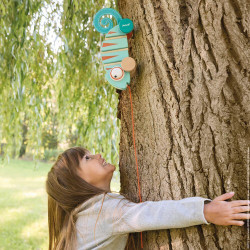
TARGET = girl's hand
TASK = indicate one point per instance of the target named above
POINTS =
(227, 213)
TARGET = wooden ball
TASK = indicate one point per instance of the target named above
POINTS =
(128, 64)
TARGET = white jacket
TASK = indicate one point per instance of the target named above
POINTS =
(120, 217)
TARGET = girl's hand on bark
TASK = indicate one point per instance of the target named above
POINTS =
(226, 213)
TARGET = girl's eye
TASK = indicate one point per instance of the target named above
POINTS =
(87, 157)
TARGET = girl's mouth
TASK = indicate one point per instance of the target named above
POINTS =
(104, 163)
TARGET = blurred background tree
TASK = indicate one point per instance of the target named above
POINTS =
(52, 87)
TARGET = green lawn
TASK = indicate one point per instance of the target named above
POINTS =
(23, 205)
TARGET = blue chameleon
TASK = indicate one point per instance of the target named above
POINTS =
(114, 49)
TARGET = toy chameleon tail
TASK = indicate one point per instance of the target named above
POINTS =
(105, 21)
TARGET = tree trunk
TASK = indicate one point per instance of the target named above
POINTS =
(191, 103)
(22, 150)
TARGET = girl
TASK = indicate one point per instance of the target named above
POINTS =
(83, 213)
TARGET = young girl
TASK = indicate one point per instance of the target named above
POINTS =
(83, 213)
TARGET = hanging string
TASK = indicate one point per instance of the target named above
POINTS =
(133, 126)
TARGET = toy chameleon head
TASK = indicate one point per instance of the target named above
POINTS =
(114, 49)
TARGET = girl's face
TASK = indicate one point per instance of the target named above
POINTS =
(96, 171)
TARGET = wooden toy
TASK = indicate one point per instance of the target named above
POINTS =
(118, 65)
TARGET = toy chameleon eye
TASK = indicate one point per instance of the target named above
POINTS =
(117, 73)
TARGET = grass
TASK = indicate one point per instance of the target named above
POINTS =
(23, 205)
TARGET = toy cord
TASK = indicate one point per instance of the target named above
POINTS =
(133, 126)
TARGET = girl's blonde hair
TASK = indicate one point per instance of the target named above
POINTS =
(66, 192)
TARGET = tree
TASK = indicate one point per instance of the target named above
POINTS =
(191, 102)
(44, 75)
(24, 142)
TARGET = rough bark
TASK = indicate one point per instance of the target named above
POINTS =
(191, 100)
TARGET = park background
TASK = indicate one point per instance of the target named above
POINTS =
(53, 96)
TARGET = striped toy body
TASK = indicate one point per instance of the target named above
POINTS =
(114, 49)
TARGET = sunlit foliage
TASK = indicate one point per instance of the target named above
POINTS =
(59, 80)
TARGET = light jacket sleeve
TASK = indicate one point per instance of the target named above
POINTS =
(155, 215)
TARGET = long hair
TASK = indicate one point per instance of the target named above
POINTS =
(66, 192)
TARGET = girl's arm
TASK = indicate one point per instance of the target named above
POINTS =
(155, 215)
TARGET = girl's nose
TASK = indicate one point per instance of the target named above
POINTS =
(98, 156)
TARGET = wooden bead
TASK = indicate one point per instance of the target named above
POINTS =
(128, 64)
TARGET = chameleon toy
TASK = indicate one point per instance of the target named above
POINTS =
(117, 63)
(114, 50)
